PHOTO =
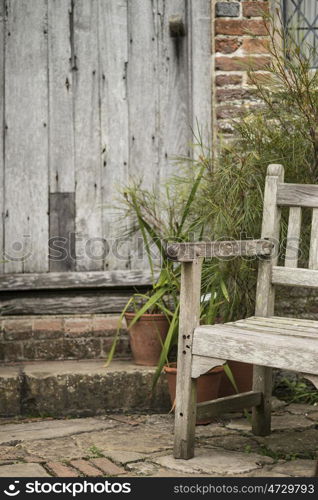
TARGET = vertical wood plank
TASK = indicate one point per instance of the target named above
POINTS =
(26, 152)
(2, 50)
(62, 232)
(201, 68)
(313, 252)
(293, 235)
(143, 90)
(61, 139)
(113, 50)
(89, 244)
(185, 413)
(265, 295)
(175, 135)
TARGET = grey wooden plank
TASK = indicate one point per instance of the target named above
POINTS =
(60, 280)
(294, 321)
(200, 39)
(143, 98)
(61, 125)
(298, 195)
(62, 232)
(2, 67)
(220, 406)
(202, 364)
(113, 50)
(293, 235)
(175, 135)
(185, 413)
(266, 350)
(90, 246)
(277, 328)
(26, 151)
(295, 277)
(313, 252)
(186, 252)
(60, 302)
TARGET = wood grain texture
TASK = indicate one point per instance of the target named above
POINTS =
(297, 195)
(264, 348)
(200, 40)
(26, 151)
(61, 119)
(60, 302)
(62, 232)
(293, 235)
(202, 364)
(295, 277)
(210, 409)
(113, 49)
(185, 413)
(313, 252)
(186, 252)
(90, 245)
(174, 89)
(2, 68)
(67, 280)
(275, 325)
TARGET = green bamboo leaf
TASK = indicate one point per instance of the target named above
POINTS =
(230, 376)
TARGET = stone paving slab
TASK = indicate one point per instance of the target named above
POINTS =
(141, 445)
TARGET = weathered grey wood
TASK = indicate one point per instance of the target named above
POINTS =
(2, 67)
(295, 277)
(61, 68)
(261, 348)
(313, 252)
(60, 280)
(313, 378)
(202, 364)
(174, 90)
(61, 302)
(276, 326)
(26, 149)
(210, 409)
(113, 32)
(186, 252)
(298, 195)
(62, 232)
(185, 413)
(90, 245)
(293, 321)
(199, 27)
(265, 294)
(293, 235)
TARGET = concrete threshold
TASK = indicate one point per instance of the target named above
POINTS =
(79, 388)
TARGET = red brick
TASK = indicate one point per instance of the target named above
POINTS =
(61, 470)
(222, 80)
(86, 468)
(12, 351)
(106, 325)
(260, 77)
(232, 94)
(48, 328)
(255, 9)
(108, 467)
(17, 329)
(225, 112)
(241, 63)
(78, 327)
(227, 45)
(240, 27)
(255, 45)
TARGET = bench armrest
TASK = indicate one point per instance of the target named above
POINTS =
(187, 252)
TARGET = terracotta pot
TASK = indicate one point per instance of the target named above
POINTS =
(207, 386)
(243, 376)
(146, 337)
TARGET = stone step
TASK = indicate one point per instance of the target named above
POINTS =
(28, 338)
(79, 388)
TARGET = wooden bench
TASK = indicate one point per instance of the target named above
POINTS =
(264, 340)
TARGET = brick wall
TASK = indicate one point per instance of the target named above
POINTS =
(239, 41)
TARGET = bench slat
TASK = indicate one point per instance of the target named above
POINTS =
(297, 195)
(291, 276)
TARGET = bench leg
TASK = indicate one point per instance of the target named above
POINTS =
(185, 417)
(261, 417)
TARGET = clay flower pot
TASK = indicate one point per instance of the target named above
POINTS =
(243, 376)
(146, 337)
(207, 386)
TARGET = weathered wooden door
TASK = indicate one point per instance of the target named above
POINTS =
(92, 93)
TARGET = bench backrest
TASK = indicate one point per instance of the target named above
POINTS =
(295, 196)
